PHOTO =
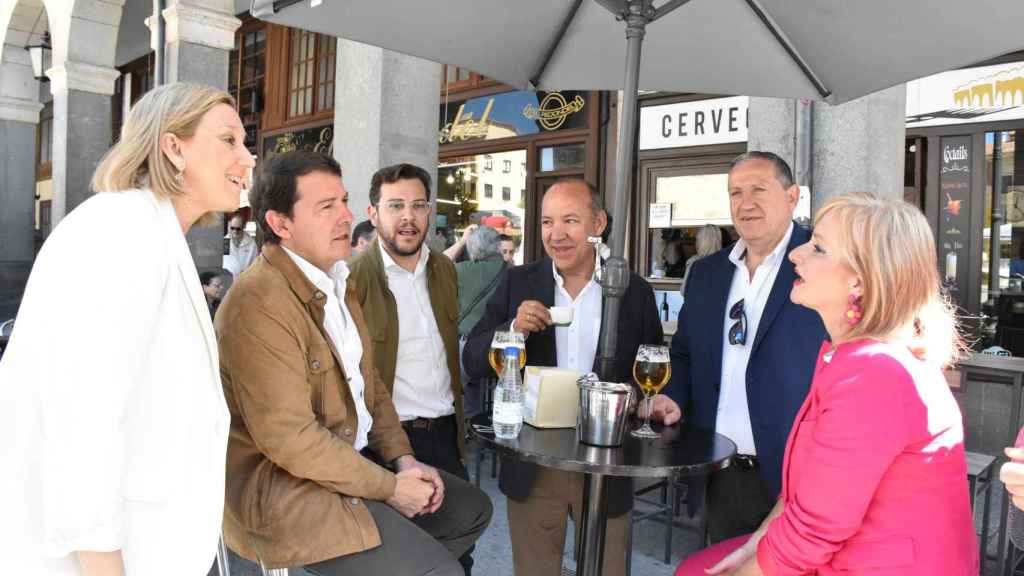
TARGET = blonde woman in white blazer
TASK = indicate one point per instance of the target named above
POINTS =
(113, 425)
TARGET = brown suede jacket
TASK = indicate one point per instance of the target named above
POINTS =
(295, 484)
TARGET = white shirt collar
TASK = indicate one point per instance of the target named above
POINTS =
(390, 264)
(559, 281)
(739, 250)
(326, 282)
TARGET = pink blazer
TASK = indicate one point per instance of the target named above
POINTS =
(874, 476)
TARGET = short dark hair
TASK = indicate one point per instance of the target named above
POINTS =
(364, 229)
(783, 173)
(596, 203)
(505, 238)
(206, 277)
(275, 187)
(392, 174)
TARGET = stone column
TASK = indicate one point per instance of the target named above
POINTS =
(386, 111)
(18, 120)
(81, 129)
(199, 39)
(856, 146)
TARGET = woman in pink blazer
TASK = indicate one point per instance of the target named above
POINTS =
(874, 476)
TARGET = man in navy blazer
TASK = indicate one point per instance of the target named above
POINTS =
(743, 354)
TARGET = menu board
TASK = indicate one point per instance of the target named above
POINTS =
(955, 214)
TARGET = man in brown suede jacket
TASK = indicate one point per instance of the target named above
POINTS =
(320, 473)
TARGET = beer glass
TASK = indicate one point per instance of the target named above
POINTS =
(651, 370)
(501, 340)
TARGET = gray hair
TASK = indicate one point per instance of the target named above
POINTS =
(709, 240)
(483, 242)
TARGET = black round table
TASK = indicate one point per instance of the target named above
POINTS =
(680, 452)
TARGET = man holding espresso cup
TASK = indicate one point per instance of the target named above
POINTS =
(539, 499)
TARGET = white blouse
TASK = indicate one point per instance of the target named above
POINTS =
(112, 416)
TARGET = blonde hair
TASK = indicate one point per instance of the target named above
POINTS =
(709, 240)
(136, 160)
(890, 247)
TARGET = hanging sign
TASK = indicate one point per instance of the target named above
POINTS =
(699, 123)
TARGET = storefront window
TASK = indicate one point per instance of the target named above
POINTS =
(1004, 152)
(681, 205)
(465, 195)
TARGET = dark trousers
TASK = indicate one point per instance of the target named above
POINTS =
(435, 442)
(426, 545)
(738, 501)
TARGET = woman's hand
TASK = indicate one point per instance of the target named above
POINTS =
(732, 564)
(1012, 475)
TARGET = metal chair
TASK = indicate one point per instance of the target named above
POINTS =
(979, 480)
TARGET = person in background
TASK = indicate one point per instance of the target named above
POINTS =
(478, 278)
(362, 236)
(743, 353)
(508, 248)
(242, 249)
(875, 468)
(673, 259)
(454, 252)
(111, 410)
(709, 241)
(213, 289)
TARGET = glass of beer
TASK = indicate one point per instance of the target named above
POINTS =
(651, 370)
(501, 340)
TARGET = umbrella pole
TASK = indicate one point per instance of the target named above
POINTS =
(615, 278)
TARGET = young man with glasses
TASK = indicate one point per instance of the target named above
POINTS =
(743, 355)
(409, 295)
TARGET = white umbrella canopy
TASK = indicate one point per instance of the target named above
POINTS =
(852, 47)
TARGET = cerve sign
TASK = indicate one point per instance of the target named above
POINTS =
(698, 123)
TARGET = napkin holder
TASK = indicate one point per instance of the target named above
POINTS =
(551, 397)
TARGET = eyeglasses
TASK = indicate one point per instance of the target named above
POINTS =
(738, 331)
(235, 228)
(419, 207)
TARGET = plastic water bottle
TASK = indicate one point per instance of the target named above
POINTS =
(507, 417)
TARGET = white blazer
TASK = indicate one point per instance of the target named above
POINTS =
(113, 425)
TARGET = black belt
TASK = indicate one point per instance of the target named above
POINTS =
(427, 423)
(746, 461)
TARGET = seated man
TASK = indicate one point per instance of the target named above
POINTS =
(319, 471)
(541, 499)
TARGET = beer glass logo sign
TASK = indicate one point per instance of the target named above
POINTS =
(553, 110)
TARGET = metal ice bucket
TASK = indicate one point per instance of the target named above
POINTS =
(604, 411)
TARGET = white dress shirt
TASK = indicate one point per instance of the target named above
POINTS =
(342, 329)
(576, 344)
(423, 386)
(240, 255)
(733, 419)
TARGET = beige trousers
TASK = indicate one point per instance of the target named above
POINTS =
(537, 526)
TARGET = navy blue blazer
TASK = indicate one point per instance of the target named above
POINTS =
(781, 364)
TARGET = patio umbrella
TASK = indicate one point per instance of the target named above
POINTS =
(831, 50)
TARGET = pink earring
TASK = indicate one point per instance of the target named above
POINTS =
(853, 311)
